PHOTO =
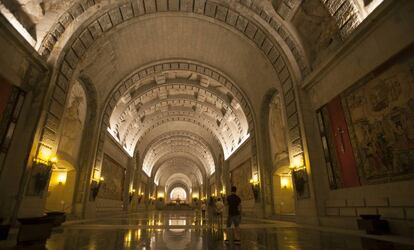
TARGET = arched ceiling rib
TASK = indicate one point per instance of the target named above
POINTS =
(177, 184)
(227, 12)
(177, 148)
(181, 95)
(185, 94)
(181, 155)
(175, 143)
(176, 165)
(178, 177)
(182, 174)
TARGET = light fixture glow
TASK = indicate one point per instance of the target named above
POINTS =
(254, 179)
(285, 182)
(61, 177)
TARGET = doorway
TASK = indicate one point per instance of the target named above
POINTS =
(61, 188)
(283, 193)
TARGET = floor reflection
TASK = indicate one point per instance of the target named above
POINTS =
(180, 231)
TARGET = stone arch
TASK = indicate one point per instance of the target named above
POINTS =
(161, 166)
(87, 146)
(161, 139)
(124, 85)
(226, 12)
(271, 38)
(180, 185)
(265, 154)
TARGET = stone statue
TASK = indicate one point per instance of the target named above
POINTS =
(278, 144)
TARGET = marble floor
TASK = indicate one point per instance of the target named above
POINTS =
(183, 230)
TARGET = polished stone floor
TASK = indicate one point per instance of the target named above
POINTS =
(182, 230)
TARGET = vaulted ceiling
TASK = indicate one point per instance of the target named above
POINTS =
(180, 83)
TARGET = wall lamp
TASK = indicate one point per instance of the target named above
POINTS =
(254, 182)
(285, 181)
(140, 196)
(95, 186)
(131, 194)
(43, 165)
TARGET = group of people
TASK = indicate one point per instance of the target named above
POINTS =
(214, 210)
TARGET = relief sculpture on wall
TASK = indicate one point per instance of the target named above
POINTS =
(278, 142)
(73, 121)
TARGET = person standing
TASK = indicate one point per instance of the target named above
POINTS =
(211, 209)
(219, 212)
(234, 215)
(203, 211)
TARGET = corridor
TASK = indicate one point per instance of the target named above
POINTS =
(183, 230)
(118, 117)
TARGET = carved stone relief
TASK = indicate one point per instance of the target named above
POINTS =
(73, 121)
(318, 30)
(277, 128)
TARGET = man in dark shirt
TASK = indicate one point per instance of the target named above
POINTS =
(234, 214)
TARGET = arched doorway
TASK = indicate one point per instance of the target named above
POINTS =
(282, 189)
(64, 174)
(61, 187)
(179, 195)
(283, 194)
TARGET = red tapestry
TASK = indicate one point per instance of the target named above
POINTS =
(343, 146)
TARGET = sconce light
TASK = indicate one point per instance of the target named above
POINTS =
(254, 182)
(285, 182)
(44, 164)
(95, 186)
(61, 178)
(160, 196)
(131, 195)
(140, 196)
(45, 160)
(223, 194)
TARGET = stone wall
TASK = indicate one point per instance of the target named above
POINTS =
(114, 151)
(238, 159)
(370, 50)
(20, 67)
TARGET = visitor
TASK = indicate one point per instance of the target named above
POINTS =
(203, 211)
(196, 205)
(211, 209)
(234, 215)
(219, 212)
